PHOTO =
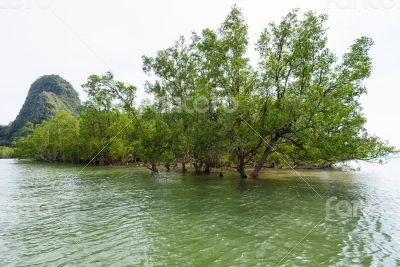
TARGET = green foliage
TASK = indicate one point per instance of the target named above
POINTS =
(3, 135)
(316, 116)
(298, 106)
(6, 152)
(55, 140)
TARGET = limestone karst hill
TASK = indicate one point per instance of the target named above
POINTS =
(46, 97)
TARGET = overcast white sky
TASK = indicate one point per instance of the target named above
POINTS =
(77, 38)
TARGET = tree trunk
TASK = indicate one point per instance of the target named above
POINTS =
(207, 166)
(154, 167)
(184, 166)
(261, 162)
(240, 167)
(197, 166)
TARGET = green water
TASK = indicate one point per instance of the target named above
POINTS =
(49, 215)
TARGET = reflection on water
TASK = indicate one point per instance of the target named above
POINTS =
(49, 216)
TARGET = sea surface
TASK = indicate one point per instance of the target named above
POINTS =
(58, 215)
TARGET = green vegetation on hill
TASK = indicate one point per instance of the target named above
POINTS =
(47, 96)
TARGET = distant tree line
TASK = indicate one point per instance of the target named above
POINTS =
(298, 106)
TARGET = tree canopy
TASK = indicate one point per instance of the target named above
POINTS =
(298, 106)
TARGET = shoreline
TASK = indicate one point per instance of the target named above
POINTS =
(189, 167)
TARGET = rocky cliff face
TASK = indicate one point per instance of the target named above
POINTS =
(47, 96)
